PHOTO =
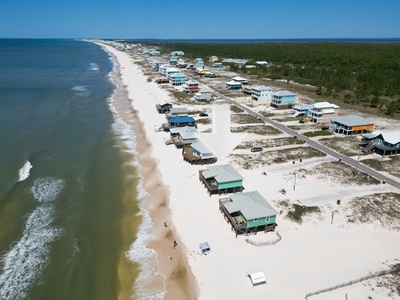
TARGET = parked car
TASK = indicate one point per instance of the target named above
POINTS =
(203, 115)
(256, 149)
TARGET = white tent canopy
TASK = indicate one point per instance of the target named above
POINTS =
(257, 277)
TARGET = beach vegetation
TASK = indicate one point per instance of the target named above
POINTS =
(297, 212)
(317, 133)
(257, 129)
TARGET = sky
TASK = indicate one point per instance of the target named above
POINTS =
(207, 19)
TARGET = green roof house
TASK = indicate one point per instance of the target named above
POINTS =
(248, 212)
(221, 179)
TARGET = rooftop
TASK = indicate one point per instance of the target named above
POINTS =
(251, 205)
(222, 173)
(284, 93)
(352, 120)
(392, 137)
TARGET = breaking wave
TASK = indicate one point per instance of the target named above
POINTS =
(24, 171)
(27, 259)
(138, 251)
(94, 67)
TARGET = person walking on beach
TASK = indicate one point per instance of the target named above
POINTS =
(175, 244)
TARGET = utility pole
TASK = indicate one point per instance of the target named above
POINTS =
(358, 161)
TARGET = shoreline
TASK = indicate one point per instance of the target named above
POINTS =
(176, 277)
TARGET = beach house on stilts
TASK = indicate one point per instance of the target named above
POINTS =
(222, 179)
(248, 213)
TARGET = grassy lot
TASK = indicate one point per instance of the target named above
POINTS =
(317, 133)
(347, 145)
(391, 165)
(270, 143)
(338, 173)
(266, 158)
(244, 119)
(257, 129)
(296, 212)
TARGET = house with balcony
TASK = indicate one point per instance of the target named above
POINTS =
(351, 124)
(163, 108)
(248, 213)
(198, 153)
(177, 78)
(154, 52)
(182, 136)
(198, 63)
(173, 59)
(380, 142)
(177, 53)
(175, 112)
(240, 79)
(300, 110)
(262, 93)
(222, 179)
(322, 112)
(191, 86)
(178, 122)
(283, 99)
(162, 68)
(204, 96)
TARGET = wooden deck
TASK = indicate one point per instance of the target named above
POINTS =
(239, 224)
(188, 156)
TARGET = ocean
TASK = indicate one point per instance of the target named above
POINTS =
(72, 217)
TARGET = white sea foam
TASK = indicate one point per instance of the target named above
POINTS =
(94, 67)
(80, 88)
(46, 189)
(25, 171)
(138, 251)
(24, 263)
(147, 259)
(28, 258)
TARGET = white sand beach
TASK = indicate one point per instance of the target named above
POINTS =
(317, 254)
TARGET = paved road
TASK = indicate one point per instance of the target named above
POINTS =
(352, 162)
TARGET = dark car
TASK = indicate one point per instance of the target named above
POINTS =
(203, 115)
(256, 149)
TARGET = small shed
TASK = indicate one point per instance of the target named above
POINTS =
(257, 277)
(205, 248)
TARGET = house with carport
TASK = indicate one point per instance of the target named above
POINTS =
(351, 124)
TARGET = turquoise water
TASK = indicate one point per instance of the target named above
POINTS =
(68, 184)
